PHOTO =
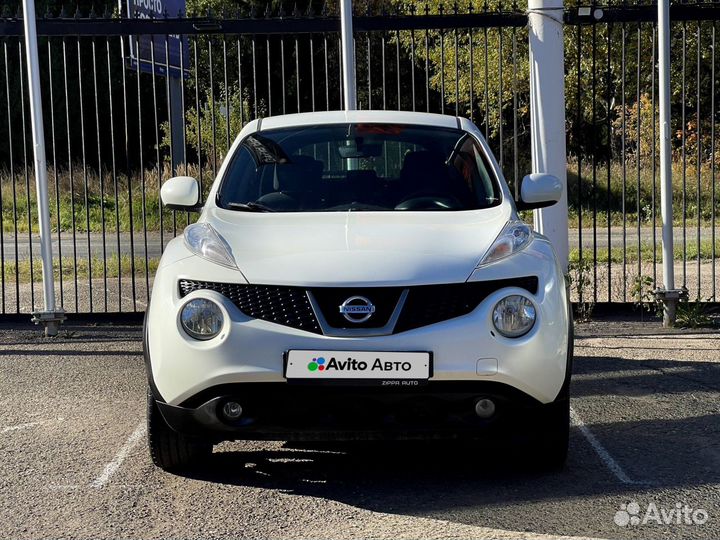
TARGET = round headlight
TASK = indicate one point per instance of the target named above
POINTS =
(514, 316)
(201, 318)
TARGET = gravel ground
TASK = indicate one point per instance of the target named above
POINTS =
(608, 283)
(108, 296)
(72, 407)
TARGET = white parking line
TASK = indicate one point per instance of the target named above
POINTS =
(28, 425)
(112, 467)
(604, 455)
(19, 426)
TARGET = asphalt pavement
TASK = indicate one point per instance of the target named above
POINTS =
(80, 244)
(644, 452)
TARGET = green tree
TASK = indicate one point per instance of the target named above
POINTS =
(607, 67)
(209, 129)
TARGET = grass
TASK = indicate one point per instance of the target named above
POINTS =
(113, 268)
(693, 315)
(137, 205)
(589, 192)
(646, 252)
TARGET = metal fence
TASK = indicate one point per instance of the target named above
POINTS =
(613, 169)
(112, 135)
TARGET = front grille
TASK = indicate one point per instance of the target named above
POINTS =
(425, 305)
(431, 304)
(328, 300)
(288, 306)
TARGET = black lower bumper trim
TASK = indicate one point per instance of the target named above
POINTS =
(277, 411)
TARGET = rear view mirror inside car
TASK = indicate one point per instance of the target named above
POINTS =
(361, 150)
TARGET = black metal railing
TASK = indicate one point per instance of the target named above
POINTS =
(117, 128)
(613, 170)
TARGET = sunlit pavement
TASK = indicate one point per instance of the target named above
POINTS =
(644, 457)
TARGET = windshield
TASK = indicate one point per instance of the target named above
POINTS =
(358, 167)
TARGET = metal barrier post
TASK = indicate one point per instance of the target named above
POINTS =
(667, 294)
(547, 114)
(348, 55)
(50, 317)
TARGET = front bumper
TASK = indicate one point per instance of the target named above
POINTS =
(278, 411)
(464, 349)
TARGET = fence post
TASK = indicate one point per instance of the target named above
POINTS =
(667, 294)
(177, 114)
(547, 114)
(50, 317)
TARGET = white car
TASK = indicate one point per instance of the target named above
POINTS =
(358, 275)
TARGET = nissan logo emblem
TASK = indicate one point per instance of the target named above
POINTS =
(357, 309)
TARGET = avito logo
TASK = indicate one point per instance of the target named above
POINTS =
(352, 364)
(317, 364)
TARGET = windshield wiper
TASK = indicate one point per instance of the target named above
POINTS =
(250, 207)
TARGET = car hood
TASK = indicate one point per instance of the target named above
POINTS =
(358, 248)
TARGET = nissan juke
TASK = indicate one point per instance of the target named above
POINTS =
(358, 275)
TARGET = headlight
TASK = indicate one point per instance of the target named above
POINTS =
(514, 316)
(203, 240)
(514, 237)
(201, 319)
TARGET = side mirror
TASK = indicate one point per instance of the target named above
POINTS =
(181, 193)
(539, 190)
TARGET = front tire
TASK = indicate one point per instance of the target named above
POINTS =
(170, 450)
(554, 435)
(552, 440)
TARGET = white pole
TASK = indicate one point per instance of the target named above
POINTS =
(348, 55)
(49, 317)
(547, 114)
(669, 295)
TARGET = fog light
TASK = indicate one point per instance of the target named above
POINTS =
(485, 408)
(201, 318)
(514, 316)
(232, 410)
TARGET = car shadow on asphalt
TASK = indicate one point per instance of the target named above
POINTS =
(608, 375)
(412, 477)
(403, 477)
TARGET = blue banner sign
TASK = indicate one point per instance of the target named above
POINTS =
(167, 54)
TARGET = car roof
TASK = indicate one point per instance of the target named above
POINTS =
(344, 117)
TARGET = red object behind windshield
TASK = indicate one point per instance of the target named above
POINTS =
(379, 129)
